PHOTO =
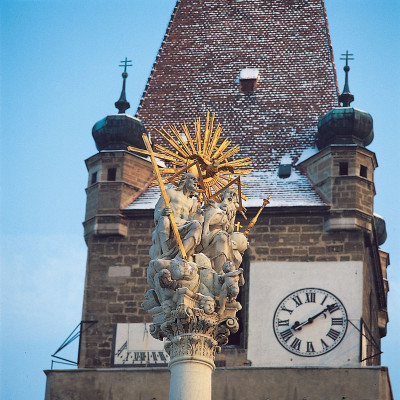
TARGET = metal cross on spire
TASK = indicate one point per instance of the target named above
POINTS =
(346, 97)
(126, 63)
(122, 104)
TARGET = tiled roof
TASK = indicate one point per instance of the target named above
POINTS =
(197, 69)
(290, 192)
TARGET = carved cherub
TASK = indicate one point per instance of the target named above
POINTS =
(207, 303)
(232, 279)
(166, 280)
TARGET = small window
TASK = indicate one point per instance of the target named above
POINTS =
(93, 179)
(363, 171)
(343, 168)
(111, 174)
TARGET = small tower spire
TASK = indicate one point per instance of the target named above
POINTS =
(122, 104)
(346, 97)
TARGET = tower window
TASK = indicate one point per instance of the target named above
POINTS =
(93, 178)
(343, 168)
(363, 171)
(111, 174)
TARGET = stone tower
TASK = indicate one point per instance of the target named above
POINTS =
(267, 70)
(115, 178)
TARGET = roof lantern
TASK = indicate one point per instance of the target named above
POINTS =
(118, 131)
(248, 78)
(345, 125)
(285, 167)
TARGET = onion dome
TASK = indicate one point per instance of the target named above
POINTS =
(345, 125)
(117, 132)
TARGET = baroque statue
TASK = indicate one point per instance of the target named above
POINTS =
(194, 274)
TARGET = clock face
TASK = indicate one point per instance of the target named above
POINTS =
(310, 322)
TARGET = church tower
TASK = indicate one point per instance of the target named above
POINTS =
(314, 305)
(343, 174)
(115, 178)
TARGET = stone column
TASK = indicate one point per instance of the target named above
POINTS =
(194, 333)
(191, 365)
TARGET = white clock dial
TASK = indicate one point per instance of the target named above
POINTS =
(310, 322)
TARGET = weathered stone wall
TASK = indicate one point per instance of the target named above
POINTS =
(228, 384)
(114, 287)
(298, 235)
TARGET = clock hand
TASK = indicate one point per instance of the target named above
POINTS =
(297, 325)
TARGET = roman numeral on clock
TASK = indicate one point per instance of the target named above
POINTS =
(310, 347)
(310, 297)
(286, 335)
(337, 321)
(297, 300)
(333, 334)
(296, 344)
(283, 322)
(324, 345)
(286, 309)
(333, 307)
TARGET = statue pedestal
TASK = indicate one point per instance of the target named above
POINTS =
(194, 332)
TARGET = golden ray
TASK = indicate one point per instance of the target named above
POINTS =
(239, 162)
(175, 131)
(158, 155)
(197, 129)
(171, 141)
(207, 151)
(221, 148)
(169, 152)
(214, 141)
(188, 137)
(243, 171)
(229, 153)
(206, 133)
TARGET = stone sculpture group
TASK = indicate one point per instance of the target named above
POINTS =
(193, 300)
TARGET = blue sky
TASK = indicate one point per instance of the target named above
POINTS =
(59, 70)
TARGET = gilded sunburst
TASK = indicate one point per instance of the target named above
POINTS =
(205, 153)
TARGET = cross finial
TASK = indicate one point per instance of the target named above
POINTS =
(238, 225)
(122, 104)
(126, 63)
(346, 97)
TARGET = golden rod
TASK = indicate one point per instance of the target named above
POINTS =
(165, 197)
(254, 220)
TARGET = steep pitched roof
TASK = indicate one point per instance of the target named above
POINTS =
(206, 46)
